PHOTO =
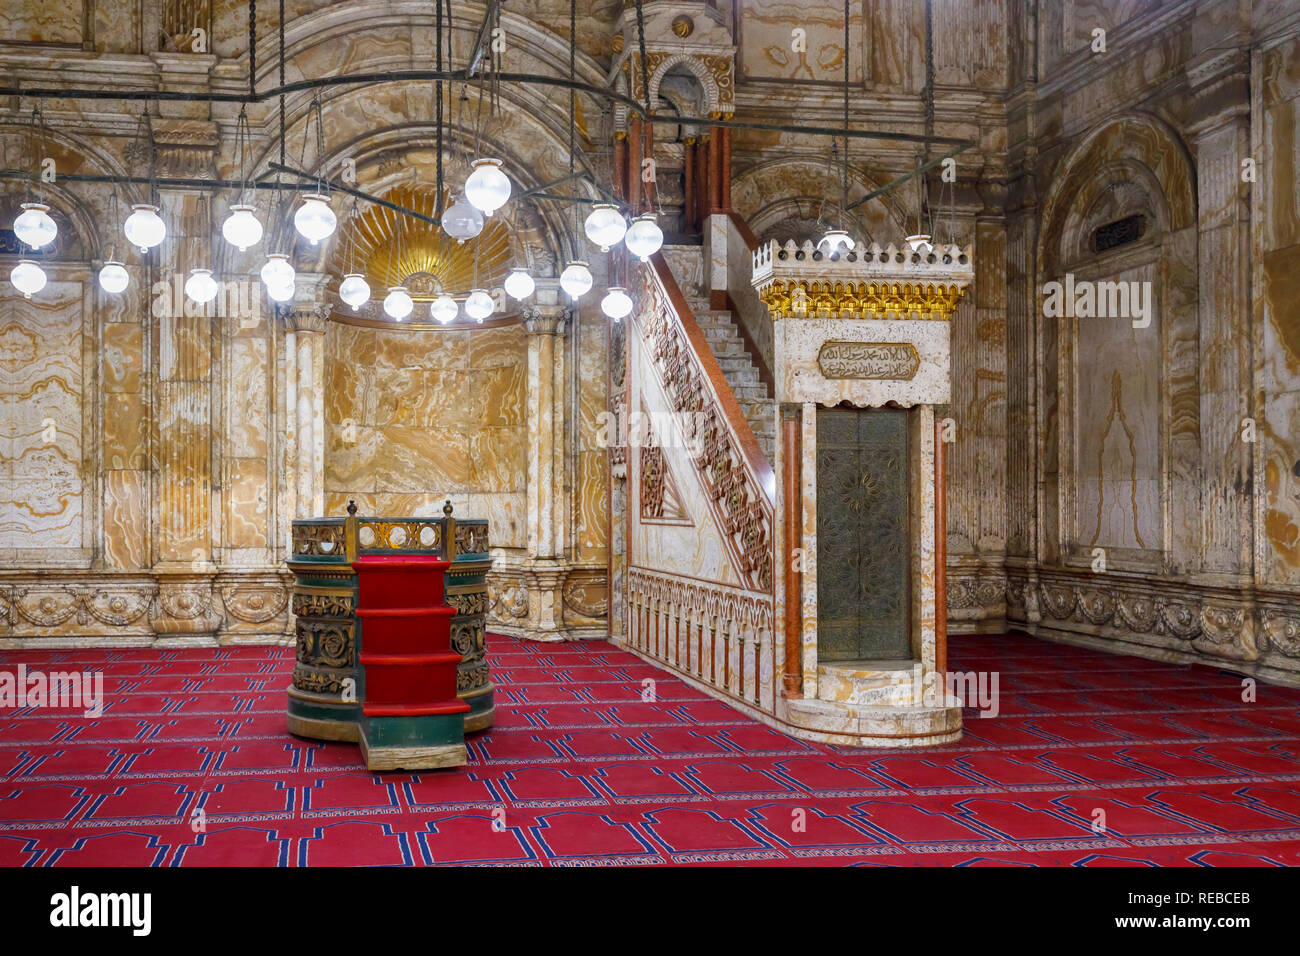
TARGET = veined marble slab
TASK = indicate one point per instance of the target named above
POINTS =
(800, 377)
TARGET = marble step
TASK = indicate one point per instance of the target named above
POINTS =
(738, 369)
(876, 726)
(716, 337)
(866, 683)
(755, 390)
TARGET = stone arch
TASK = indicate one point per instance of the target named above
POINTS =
(780, 191)
(366, 31)
(541, 234)
(1123, 187)
(533, 151)
(1139, 142)
(84, 208)
(708, 82)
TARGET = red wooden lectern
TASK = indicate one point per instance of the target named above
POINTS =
(412, 718)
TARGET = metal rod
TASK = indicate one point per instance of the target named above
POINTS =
(176, 183)
(893, 183)
(481, 41)
(355, 192)
(460, 76)
(583, 199)
(551, 185)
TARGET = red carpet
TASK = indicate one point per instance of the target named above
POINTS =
(578, 771)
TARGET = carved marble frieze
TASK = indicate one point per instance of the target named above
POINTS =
(866, 362)
(75, 607)
(975, 595)
(886, 361)
(1241, 626)
(254, 604)
(508, 600)
(586, 597)
(547, 601)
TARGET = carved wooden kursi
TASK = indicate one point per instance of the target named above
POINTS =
(327, 691)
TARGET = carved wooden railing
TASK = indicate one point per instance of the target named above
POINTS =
(717, 632)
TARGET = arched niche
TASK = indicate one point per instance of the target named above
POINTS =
(530, 132)
(674, 67)
(50, 367)
(1118, 332)
(368, 129)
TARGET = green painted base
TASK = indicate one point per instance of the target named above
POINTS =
(413, 743)
(481, 708)
(324, 718)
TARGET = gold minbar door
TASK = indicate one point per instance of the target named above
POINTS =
(863, 531)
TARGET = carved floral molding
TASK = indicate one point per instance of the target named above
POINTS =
(72, 606)
(1208, 624)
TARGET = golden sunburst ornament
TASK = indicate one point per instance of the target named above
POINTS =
(426, 261)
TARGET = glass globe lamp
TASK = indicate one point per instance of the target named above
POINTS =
(444, 309)
(113, 277)
(487, 189)
(144, 228)
(34, 227)
(644, 237)
(617, 304)
(200, 286)
(479, 305)
(397, 303)
(462, 221)
(576, 279)
(605, 226)
(315, 220)
(354, 290)
(277, 271)
(836, 240)
(519, 284)
(282, 292)
(27, 277)
(241, 227)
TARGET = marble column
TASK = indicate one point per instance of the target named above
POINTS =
(187, 357)
(1221, 138)
(543, 570)
(308, 315)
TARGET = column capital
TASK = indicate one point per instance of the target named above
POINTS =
(311, 307)
(547, 319)
(1220, 91)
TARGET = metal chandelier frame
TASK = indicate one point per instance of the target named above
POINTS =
(311, 181)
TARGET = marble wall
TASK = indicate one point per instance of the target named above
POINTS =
(413, 418)
(183, 446)
(152, 457)
(45, 507)
(1164, 450)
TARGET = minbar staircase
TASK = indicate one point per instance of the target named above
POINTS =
(687, 265)
(739, 369)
